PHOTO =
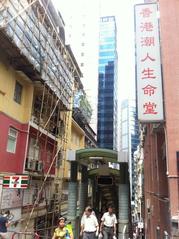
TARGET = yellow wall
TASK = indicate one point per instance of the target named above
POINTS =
(63, 170)
(76, 141)
(77, 137)
(8, 77)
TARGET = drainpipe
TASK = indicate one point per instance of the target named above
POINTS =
(72, 195)
(83, 189)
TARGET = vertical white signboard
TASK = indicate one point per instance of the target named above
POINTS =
(149, 77)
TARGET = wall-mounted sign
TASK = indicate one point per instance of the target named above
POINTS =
(149, 76)
(15, 181)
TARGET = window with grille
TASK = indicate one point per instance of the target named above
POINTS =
(18, 92)
(12, 140)
(34, 151)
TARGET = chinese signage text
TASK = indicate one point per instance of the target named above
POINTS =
(149, 77)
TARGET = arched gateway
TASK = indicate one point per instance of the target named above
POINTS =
(104, 179)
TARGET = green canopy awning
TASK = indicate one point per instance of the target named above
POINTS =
(99, 171)
(95, 155)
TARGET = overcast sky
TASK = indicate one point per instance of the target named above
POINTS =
(123, 10)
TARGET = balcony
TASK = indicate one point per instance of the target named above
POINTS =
(33, 165)
(40, 154)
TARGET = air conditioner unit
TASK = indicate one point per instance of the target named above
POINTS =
(39, 166)
(31, 165)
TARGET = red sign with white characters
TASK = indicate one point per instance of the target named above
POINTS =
(149, 77)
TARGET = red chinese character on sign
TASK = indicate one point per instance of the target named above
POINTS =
(146, 12)
(150, 108)
(148, 74)
(146, 26)
(147, 41)
(149, 90)
(148, 57)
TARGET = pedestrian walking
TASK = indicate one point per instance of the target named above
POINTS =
(93, 212)
(89, 225)
(62, 232)
(4, 223)
(108, 223)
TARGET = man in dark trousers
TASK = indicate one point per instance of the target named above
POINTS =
(89, 225)
(108, 224)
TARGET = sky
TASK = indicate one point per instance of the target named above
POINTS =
(125, 41)
(123, 10)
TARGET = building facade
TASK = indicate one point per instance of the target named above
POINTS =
(107, 84)
(161, 161)
(129, 136)
(138, 207)
(81, 33)
(38, 78)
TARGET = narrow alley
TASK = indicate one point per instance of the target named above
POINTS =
(89, 142)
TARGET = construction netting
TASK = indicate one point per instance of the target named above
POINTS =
(35, 43)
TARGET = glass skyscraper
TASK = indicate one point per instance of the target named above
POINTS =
(107, 84)
(129, 136)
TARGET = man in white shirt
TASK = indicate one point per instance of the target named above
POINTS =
(89, 225)
(108, 224)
